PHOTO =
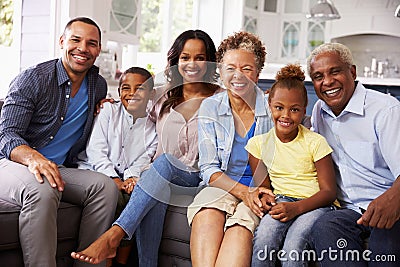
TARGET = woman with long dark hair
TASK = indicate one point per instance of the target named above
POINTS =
(191, 77)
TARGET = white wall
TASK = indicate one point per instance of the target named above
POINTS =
(220, 18)
(36, 32)
(9, 68)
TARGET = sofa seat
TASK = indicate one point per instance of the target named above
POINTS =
(174, 248)
(68, 220)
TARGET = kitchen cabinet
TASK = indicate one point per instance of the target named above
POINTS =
(118, 19)
(282, 25)
(364, 17)
(124, 21)
(290, 37)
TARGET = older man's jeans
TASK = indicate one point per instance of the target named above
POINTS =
(339, 241)
(145, 211)
(276, 241)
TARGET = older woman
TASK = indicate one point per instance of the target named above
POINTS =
(225, 214)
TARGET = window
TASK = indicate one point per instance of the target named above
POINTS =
(290, 42)
(10, 13)
(253, 4)
(250, 24)
(315, 36)
(151, 28)
(270, 6)
(161, 22)
(6, 22)
(124, 17)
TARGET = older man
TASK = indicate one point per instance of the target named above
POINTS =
(362, 126)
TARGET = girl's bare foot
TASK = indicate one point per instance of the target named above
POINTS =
(103, 248)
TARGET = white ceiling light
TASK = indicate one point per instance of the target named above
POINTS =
(323, 10)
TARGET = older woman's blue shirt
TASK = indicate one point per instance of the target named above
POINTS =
(238, 166)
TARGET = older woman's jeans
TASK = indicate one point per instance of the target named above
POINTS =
(339, 241)
(145, 211)
(284, 241)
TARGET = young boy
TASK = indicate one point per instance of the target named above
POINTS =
(121, 145)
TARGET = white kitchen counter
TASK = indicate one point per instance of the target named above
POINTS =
(379, 81)
(270, 75)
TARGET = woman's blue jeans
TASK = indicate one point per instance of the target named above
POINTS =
(144, 214)
(284, 241)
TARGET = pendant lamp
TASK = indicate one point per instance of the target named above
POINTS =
(323, 10)
(397, 12)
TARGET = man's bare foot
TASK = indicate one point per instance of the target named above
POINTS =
(103, 248)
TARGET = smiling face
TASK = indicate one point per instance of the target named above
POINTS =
(288, 110)
(81, 46)
(239, 72)
(135, 93)
(192, 61)
(333, 80)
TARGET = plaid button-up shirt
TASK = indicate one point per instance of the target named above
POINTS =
(37, 103)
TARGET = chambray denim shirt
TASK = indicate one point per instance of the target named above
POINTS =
(217, 131)
(36, 105)
(365, 142)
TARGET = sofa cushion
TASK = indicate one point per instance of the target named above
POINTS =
(68, 215)
(68, 221)
(9, 228)
(175, 247)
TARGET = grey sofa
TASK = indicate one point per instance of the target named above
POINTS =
(174, 248)
(68, 220)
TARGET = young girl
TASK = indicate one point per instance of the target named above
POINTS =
(298, 166)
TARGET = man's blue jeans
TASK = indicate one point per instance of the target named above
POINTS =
(145, 211)
(339, 241)
(276, 241)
